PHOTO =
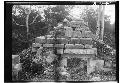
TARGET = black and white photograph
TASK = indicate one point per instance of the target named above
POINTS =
(63, 41)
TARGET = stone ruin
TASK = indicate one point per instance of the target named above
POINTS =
(76, 42)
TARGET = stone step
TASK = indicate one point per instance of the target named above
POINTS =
(80, 41)
(64, 41)
(40, 39)
(77, 46)
(59, 45)
(81, 51)
(86, 41)
(48, 45)
(83, 56)
(67, 46)
(77, 51)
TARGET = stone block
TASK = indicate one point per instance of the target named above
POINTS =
(93, 65)
(68, 31)
(40, 40)
(81, 51)
(59, 45)
(61, 41)
(88, 34)
(59, 51)
(88, 46)
(86, 41)
(74, 41)
(50, 41)
(72, 46)
(36, 45)
(47, 45)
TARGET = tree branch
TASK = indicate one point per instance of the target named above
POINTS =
(17, 23)
(34, 19)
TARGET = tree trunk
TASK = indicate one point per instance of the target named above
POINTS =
(27, 25)
(100, 22)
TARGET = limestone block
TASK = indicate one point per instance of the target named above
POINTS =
(88, 34)
(59, 45)
(79, 35)
(63, 62)
(47, 45)
(83, 34)
(62, 41)
(68, 31)
(50, 58)
(59, 51)
(108, 64)
(91, 51)
(74, 34)
(40, 39)
(86, 41)
(74, 41)
(81, 51)
(36, 45)
(88, 46)
(72, 46)
(93, 65)
(50, 40)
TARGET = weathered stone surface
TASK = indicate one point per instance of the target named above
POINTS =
(81, 51)
(68, 31)
(50, 58)
(74, 41)
(59, 45)
(82, 56)
(40, 39)
(47, 45)
(86, 41)
(50, 41)
(79, 35)
(63, 62)
(93, 65)
(78, 23)
(76, 34)
(88, 34)
(72, 46)
(36, 45)
(88, 46)
(61, 41)
(108, 64)
(59, 51)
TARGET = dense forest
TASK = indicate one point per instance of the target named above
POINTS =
(43, 19)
